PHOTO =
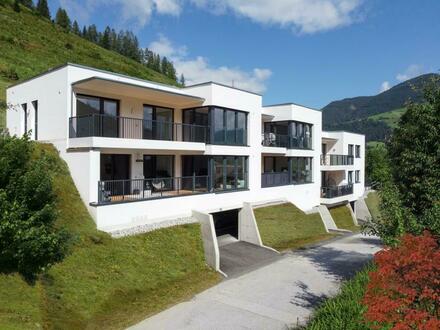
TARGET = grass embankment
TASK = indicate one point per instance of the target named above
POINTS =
(105, 283)
(344, 311)
(287, 227)
(372, 202)
(342, 217)
(30, 45)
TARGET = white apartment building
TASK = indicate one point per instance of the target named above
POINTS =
(143, 153)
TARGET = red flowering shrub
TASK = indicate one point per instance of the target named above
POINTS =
(404, 290)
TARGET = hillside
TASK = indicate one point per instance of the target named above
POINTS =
(104, 283)
(31, 45)
(376, 115)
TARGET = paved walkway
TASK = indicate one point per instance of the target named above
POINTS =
(275, 296)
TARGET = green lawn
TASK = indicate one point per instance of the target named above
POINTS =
(375, 143)
(345, 310)
(391, 118)
(286, 227)
(31, 45)
(105, 283)
(342, 217)
(372, 202)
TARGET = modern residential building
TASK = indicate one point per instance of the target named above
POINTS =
(144, 153)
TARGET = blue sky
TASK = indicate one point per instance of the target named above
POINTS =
(309, 52)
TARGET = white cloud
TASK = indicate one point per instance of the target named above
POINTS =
(385, 86)
(137, 12)
(412, 71)
(197, 70)
(304, 16)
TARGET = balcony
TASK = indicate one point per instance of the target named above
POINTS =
(133, 128)
(119, 191)
(336, 191)
(274, 179)
(336, 160)
(285, 141)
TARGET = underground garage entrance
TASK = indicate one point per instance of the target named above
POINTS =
(236, 254)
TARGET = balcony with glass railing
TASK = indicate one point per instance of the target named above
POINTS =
(336, 191)
(97, 125)
(336, 160)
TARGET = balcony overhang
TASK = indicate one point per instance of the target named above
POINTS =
(160, 94)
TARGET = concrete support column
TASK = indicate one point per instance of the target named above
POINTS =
(95, 174)
(247, 226)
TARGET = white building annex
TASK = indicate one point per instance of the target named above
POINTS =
(144, 154)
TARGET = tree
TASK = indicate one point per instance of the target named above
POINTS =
(43, 9)
(377, 165)
(84, 32)
(92, 33)
(414, 151)
(16, 6)
(29, 241)
(105, 39)
(75, 28)
(27, 3)
(182, 80)
(62, 19)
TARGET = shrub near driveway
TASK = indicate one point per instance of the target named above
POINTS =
(404, 291)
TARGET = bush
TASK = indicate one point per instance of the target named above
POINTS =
(404, 291)
(29, 241)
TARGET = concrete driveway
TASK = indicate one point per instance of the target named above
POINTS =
(274, 296)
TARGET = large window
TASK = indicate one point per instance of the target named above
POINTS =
(157, 123)
(195, 124)
(357, 176)
(358, 151)
(96, 116)
(350, 150)
(230, 173)
(227, 126)
(276, 164)
(299, 134)
(350, 177)
(159, 168)
(301, 170)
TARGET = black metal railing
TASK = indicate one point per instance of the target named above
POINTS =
(286, 141)
(336, 191)
(274, 179)
(115, 191)
(334, 160)
(134, 128)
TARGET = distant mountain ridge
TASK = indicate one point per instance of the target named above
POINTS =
(358, 113)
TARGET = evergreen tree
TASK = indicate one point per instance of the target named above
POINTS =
(84, 33)
(105, 40)
(16, 6)
(43, 8)
(27, 3)
(62, 19)
(164, 66)
(75, 28)
(92, 33)
(114, 40)
(182, 79)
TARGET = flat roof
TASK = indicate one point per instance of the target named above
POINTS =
(343, 132)
(223, 85)
(289, 103)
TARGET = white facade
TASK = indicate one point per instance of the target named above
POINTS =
(90, 144)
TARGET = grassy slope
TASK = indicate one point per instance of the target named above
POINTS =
(372, 202)
(344, 311)
(105, 283)
(31, 45)
(342, 217)
(285, 227)
(391, 118)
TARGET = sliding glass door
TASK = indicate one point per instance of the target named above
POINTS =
(158, 123)
(159, 169)
(229, 172)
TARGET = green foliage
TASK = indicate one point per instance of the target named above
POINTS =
(62, 19)
(28, 240)
(391, 118)
(342, 217)
(287, 227)
(16, 6)
(104, 283)
(414, 151)
(345, 311)
(43, 9)
(377, 165)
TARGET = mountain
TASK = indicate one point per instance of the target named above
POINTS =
(375, 115)
(30, 44)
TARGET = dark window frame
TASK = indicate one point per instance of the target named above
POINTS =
(358, 151)
(357, 176)
(224, 173)
(350, 177)
(270, 127)
(24, 107)
(351, 149)
(35, 106)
